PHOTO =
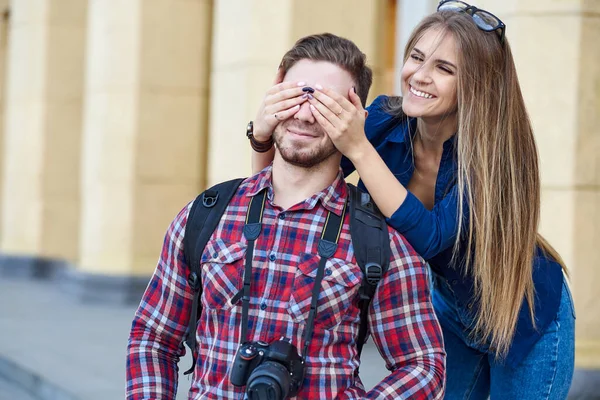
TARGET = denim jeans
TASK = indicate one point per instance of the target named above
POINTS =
(473, 373)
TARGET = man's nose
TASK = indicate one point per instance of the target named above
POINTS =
(304, 114)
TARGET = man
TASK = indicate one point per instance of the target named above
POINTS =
(303, 187)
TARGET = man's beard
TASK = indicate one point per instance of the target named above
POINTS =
(299, 154)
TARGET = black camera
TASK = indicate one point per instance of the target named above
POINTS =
(269, 372)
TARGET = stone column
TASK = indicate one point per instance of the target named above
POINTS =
(40, 207)
(586, 202)
(4, 29)
(555, 44)
(146, 109)
(249, 40)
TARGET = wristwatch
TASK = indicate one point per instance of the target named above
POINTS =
(259, 147)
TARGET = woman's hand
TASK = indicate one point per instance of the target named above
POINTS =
(342, 120)
(281, 102)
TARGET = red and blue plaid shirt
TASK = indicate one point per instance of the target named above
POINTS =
(402, 322)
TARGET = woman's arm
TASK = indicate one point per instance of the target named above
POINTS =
(429, 232)
(382, 185)
(344, 122)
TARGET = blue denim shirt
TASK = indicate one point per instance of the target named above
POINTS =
(433, 233)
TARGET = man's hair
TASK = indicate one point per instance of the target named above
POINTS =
(336, 50)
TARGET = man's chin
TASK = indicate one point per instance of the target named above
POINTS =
(304, 160)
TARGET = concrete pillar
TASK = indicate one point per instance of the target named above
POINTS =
(4, 29)
(40, 207)
(146, 108)
(586, 188)
(555, 44)
(249, 40)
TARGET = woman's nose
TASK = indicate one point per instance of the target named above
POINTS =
(423, 74)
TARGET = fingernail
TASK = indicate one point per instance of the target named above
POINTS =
(305, 96)
(312, 107)
(310, 96)
(301, 83)
(317, 86)
(354, 88)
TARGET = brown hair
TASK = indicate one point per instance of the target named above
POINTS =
(498, 176)
(336, 50)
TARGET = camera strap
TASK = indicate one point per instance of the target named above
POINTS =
(326, 249)
(252, 230)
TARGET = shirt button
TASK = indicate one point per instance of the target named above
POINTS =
(215, 255)
(282, 215)
(454, 281)
(328, 272)
(470, 305)
(263, 306)
(272, 257)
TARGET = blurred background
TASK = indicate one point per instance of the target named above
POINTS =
(115, 113)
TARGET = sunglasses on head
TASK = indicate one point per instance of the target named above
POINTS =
(485, 20)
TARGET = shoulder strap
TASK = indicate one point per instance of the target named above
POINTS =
(202, 220)
(371, 243)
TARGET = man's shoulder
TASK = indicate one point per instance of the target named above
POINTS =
(179, 223)
(402, 249)
(231, 191)
(181, 219)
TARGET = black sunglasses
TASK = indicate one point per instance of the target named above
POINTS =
(485, 20)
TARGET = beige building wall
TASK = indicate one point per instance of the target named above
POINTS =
(40, 205)
(249, 39)
(115, 114)
(146, 108)
(101, 183)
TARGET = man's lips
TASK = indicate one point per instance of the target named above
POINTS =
(308, 135)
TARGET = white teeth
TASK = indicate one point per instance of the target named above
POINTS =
(420, 94)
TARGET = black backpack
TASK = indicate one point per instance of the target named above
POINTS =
(368, 229)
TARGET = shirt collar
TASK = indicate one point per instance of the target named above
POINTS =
(333, 197)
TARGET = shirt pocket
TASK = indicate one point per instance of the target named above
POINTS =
(222, 274)
(339, 286)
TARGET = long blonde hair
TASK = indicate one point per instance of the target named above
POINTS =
(498, 177)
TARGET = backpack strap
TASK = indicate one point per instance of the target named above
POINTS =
(204, 216)
(371, 243)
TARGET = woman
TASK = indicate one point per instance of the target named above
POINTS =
(453, 165)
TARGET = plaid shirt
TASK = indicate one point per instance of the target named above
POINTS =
(402, 322)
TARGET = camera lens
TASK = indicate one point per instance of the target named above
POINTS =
(269, 381)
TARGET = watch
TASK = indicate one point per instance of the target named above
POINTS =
(259, 147)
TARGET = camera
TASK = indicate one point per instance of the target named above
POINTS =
(269, 372)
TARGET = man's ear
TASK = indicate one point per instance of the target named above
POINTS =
(366, 114)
